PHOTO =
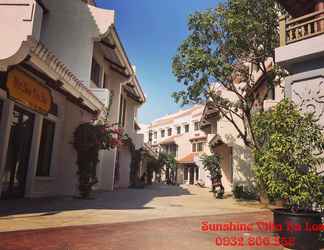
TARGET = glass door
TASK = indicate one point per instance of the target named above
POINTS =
(14, 178)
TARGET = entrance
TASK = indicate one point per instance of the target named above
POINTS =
(192, 175)
(15, 172)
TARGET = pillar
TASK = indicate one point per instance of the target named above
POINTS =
(319, 6)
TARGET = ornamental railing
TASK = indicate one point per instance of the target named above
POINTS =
(301, 28)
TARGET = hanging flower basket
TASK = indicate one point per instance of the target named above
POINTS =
(88, 140)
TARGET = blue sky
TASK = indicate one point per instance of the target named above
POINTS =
(151, 31)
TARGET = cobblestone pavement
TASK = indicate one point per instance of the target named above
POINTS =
(155, 202)
(162, 234)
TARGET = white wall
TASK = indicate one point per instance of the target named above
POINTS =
(124, 161)
(68, 31)
(18, 22)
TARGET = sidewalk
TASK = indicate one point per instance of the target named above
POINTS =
(127, 205)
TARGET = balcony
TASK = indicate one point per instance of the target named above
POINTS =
(301, 38)
(301, 28)
(104, 95)
(138, 139)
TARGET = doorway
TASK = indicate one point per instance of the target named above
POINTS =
(192, 175)
(16, 168)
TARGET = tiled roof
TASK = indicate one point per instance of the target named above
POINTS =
(188, 158)
(168, 140)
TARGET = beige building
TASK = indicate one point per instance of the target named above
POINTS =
(190, 133)
(61, 64)
(236, 158)
(179, 134)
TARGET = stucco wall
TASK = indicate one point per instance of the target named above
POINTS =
(225, 153)
(68, 31)
(67, 178)
(124, 161)
(18, 20)
(242, 157)
(306, 89)
(63, 173)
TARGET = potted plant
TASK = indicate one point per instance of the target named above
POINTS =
(211, 163)
(88, 139)
(286, 164)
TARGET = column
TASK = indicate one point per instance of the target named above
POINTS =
(319, 6)
(5, 127)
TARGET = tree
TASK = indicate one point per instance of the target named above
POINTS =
(211, 163)
(292, 149)
(223, 45)
(169, 161)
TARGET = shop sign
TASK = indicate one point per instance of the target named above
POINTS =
(28, 91)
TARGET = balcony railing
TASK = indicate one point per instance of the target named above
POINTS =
(294, 30)
(104, 95)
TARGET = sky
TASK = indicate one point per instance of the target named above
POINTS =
(151, 31)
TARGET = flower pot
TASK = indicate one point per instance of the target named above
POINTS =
(298, 230)
(280, 203)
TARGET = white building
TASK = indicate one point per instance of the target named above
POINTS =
(61, 64)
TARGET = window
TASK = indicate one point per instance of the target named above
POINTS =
(196, 125)
(95, 72)
(105, 83)
(46, 148)
(155, 135)
(200, 147)
(179, 130)
(169, 131)
(186, 127)
(174, 149)
(122, 111)
(197, 147)
(150, 136)
(162, 133)
(194, 147)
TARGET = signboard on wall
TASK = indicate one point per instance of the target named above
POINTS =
(28, 91)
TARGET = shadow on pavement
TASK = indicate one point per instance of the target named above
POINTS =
(118, 200)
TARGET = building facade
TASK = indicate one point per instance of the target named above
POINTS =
(301, 53)
(179, 134)
(236, 157)
(61, 64)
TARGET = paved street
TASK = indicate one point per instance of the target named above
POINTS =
(129, 219)
(125, 205)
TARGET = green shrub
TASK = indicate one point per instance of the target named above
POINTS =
(291, 148)
(241, 192)
(211, 164)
